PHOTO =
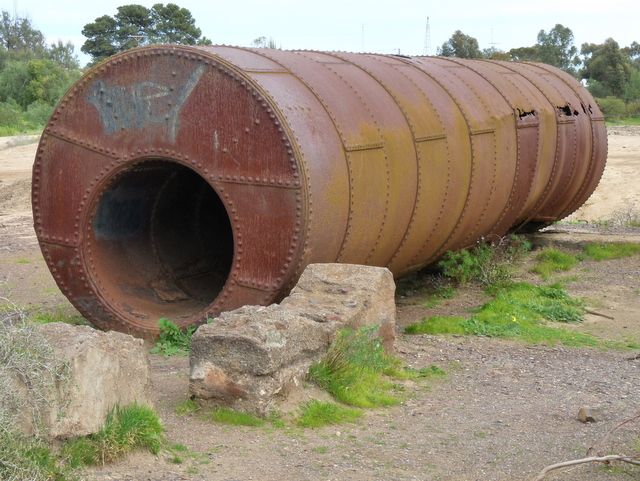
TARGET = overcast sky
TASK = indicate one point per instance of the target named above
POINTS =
(356, 25)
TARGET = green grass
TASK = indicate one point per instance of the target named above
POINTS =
(126, 429)
(316, 414)
(518, 311)
(441, 293)
(607, 251)
(232, 417)
(45, 317)
(22, 260)
(355, 370)
(173, 341)
(550, 261)
(28, 459)
(186, 407)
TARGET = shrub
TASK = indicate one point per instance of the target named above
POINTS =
(612, 107)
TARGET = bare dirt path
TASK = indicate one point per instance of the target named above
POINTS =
(504, 411)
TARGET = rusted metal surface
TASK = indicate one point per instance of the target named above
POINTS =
(183, 181)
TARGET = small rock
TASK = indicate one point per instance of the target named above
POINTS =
(588, 415)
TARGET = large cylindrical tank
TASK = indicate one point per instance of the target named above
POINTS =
(180, 182)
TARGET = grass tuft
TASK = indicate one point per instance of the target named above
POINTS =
(29, 459)
(553, 260)
(354, 370)
(126, 429)
(518, 311)
(232, 417)
(59, 316)
(173, 341)
(606, 251)
(316, 414)
(186, 407)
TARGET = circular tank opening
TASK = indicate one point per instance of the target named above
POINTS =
(162, 242)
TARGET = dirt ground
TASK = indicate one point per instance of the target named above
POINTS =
(504, 411)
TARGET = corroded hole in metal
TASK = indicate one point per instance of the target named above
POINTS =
(166, 238)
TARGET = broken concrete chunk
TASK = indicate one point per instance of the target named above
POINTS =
(101, 370)
(252, 357)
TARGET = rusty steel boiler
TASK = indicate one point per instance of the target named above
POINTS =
(180, 182)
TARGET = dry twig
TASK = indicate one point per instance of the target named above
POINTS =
(592, 459)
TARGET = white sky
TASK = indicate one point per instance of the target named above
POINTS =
(338, 25)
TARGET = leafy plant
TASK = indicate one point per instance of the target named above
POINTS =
(486, 263)
(188, 406)
(315, 414)
(173, 341)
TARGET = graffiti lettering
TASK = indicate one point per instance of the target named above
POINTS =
(138, 105)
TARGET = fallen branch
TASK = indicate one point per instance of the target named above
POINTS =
(606, 436)
(593, 459)
(596, 313)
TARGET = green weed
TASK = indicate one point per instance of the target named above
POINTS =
(125, 429)
(316, 414)
(22, 260)
(518, 311)
(486, 263)
(232, 417)
(173, 341)
(606, 251)
(354, 370)
(552, 260)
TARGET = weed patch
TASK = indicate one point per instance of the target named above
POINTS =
(126, 429)
(186, 407)
(59, 316)
(233, 417)
(173, 341)
(23, 459)
(607, 251)
(316, 414)
(440, 293)
(354, 370)
(550, 261)
(486, 263)
(518, 311)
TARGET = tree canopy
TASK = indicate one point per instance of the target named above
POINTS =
(135, 25)
(461, 46)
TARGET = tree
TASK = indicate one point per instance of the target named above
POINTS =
(18, 36)
(461, 46)
(556, 48)
(63, 54)
(493, 53)
(525, 54)
(607, 64)
(135, 25)
(263, 42)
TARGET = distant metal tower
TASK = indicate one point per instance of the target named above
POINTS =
(427, 38)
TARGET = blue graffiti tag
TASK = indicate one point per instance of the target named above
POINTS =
(135, 106)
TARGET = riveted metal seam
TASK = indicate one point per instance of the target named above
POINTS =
(514, 181)
(386, 157)
(572, 166)
(554, 170)
(490, 130)
(307, 183)
(419, 68)
(413, 135)
(575, 202)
